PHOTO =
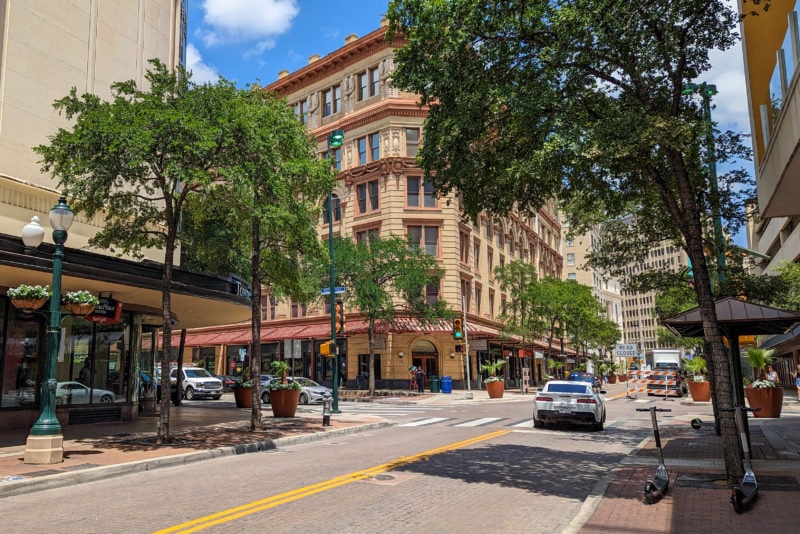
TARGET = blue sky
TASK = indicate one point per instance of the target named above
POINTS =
(250, 41)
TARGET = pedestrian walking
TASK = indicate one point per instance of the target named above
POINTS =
(772, 375)
(796, 376)
(420, 376)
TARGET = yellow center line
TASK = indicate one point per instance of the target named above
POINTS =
(225, 516)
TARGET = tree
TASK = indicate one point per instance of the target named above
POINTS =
(386, 278)
(582, 100)
(135, 160)
(269, 199)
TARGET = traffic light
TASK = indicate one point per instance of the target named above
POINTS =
(325, 349)
(460, 348)
(458, 330)
(339, 317)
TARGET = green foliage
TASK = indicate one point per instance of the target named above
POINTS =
(696, 366)
(25, 291)
(80, 297)
(759, 359)
(492, 368)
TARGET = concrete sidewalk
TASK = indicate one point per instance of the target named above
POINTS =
(697, 500)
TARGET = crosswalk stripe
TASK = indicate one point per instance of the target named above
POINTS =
(423, 422)
(480, 422)
(525, 423)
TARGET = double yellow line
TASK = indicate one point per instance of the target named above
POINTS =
(276, 500)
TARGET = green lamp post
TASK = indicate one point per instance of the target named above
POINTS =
(335, 140)
(45, 442)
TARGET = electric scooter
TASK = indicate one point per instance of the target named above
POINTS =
(658, 485)
(745, 494)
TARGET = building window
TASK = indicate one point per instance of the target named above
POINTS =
(337, 157)
(430, 234)
(367, 196)
(490, 262)
(362, 151)
(363, 86)
(478, 295)
(337, 209)
(333, 100)
(367, 234)
(491, 303)
(569, 242)
(374, 82)
(412, 142)
(363, 365)
(466, 292)
(414, 188)
(295, 309)
(301, 110)
(375, 146)
(432, 293)
(476, 256)
(464, 247)
(571, 259)
(572, 276)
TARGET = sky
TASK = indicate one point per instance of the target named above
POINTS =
(250, 41)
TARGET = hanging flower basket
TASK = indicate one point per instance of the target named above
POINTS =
(28, 298)
(80, 302)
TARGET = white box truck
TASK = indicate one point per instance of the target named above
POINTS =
(667, 360)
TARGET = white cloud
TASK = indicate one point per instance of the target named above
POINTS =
(201, 73)
(241, 21)
(727, 73)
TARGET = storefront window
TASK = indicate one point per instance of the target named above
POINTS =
(22, 358)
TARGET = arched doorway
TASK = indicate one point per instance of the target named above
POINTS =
(424, 353)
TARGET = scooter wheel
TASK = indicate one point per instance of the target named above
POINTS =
(736, 501)
(649, 489)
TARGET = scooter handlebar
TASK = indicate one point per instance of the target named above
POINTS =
(655, 409)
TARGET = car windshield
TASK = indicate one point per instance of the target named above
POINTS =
(566, 388)
(198, 373)
(306, 382)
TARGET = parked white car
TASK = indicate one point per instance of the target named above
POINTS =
(569, 401)
(77, 393)
(197, 383)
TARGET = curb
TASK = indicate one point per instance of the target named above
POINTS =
(60, 480)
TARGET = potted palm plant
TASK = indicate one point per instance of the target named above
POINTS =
(80, 302)
(283, 394)
(495, 385)
(699, 387)
(763, 393)
(28, 298)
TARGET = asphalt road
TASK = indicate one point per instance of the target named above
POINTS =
(440, 469)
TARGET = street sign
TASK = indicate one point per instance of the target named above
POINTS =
(327, 291)
(626, 350)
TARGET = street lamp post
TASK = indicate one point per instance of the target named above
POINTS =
(45, 443)
(706, 91)
(334, 141)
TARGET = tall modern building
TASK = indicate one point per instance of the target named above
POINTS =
(45, 49)
(382, 192)
(607, 291)
(771, 46)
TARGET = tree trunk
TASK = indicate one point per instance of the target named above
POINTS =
(255, 324)
(688, 214)
(166, 331)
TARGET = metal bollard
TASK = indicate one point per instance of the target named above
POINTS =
(327, 404)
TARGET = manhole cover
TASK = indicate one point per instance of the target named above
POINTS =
(383, 478)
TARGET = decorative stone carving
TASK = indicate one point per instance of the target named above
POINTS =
(312, 118)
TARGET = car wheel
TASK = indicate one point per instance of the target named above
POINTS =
(265, 397)
(303, 398)
(106, 399)
(537, 423)
(190, 393)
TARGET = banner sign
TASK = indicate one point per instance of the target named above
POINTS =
(107, 311)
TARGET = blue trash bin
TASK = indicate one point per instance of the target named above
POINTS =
(447, 384)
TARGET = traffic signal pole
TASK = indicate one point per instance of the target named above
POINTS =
(466, 345)
(334, 140)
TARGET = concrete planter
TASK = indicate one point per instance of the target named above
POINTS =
(243, 396)
(495, 389)
(284, 402)
(770, 400)
(700, 391)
